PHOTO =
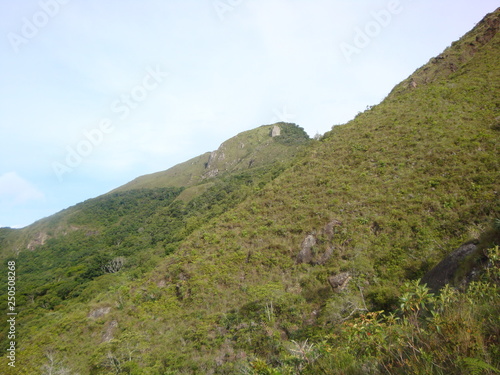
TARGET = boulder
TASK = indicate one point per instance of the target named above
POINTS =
(339, 281)
(446, 270)
(310, 255)
(329, 229)
(326, 256)
(306, 253)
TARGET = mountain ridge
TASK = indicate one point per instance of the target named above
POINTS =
(245, 150)
(253, 148)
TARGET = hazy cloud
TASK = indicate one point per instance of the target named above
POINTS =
(14, 190)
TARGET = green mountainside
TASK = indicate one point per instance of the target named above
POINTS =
(249, 149)
(283, 255)
(250, 158)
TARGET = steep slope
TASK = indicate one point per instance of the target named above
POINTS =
(402, 185)
(253, 148)
(284, 268)
(460, 53)
(125, 233)
(268, 146)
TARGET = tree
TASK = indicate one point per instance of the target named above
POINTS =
(114, 265)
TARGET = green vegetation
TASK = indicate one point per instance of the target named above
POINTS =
(117, 238)
(291, 135)
(250, 149)
(449, 333)
(195, 270)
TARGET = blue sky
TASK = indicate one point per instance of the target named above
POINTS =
(95, 93)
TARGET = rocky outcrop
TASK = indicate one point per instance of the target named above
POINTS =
(325, 256)
(108, 333)
(329, 229)
(182, 289)
(490, 26)
(39, 240)
(99, 312)
(339, 281)
(214, 157)
(445, 271)
(306, 254)
(275, 131)
(213, 160)
(315, 251)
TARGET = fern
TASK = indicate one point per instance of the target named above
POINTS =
(497, 224)
(477, 366)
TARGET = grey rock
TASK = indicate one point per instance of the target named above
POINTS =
(108, 333)
(99, 312)
(39, 240)
(339, 281)
(329, 229)
(306, 253)
(326, 255)
(445, 271)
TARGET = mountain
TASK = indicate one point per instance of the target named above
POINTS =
(249, 155)
(283, 255)
(249, 149)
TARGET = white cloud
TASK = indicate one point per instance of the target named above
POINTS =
(14, 190)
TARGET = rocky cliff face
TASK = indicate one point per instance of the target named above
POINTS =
(246, 150)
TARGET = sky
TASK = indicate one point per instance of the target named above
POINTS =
(96, 93)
